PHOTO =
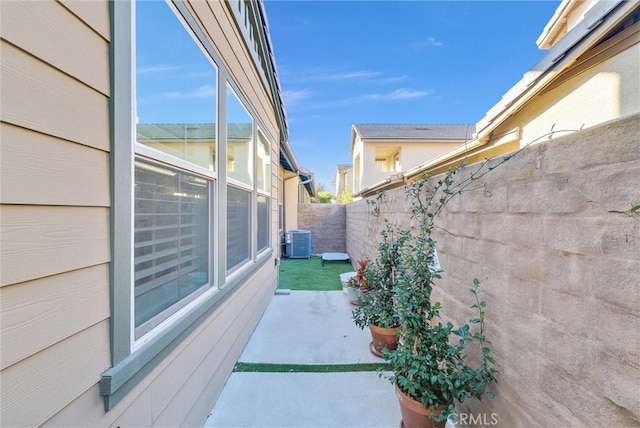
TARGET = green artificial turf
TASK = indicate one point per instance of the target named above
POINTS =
(309, 274)
(310, 368)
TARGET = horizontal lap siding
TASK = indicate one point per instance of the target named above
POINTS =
(33, 320)
(39, 241)
(55, 198)
(44, 170)
(58, 38)
(181, 390)
(38, 387)
(39, 97)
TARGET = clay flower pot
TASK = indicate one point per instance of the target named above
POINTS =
(383, 338)
(414, 414)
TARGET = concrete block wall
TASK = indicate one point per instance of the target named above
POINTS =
(561, 275)
(327, 223)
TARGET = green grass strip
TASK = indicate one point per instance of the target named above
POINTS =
(310, 275)
(310, 368)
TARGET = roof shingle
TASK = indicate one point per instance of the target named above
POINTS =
(415, 131)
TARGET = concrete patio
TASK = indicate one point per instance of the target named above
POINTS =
(307, 327)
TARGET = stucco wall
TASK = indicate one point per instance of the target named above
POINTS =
(291, 203)
(327, 223)
(560, 275)
(603, 91)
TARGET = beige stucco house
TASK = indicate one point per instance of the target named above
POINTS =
(142, 200)
(344, 178)
(298, 188)
(591, 75)
(383, 151)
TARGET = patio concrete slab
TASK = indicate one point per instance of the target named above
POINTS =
(309, 327)
(264, 400)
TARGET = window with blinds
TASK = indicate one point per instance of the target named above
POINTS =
(171, 241)
(238, 226)
(264, 228)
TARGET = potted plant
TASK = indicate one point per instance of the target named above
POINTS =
(376, 307)
(360, 282)
(430, 369)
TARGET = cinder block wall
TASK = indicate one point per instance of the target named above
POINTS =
(327, 223)
(561, 275)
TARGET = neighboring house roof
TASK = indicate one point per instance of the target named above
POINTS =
(306, 178)
(193, 131)
(414, 131)
(407, 132)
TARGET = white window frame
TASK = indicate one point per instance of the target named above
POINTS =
(131, 364)
(267, 191)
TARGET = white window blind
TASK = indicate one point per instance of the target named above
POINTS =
(238, 226)
(263, 222)
(171, 241)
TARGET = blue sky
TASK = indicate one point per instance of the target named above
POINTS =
(343, 62)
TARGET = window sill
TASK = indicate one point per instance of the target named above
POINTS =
(117, 381)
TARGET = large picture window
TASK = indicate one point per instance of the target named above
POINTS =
(175, 99)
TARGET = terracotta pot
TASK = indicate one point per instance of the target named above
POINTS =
(383, 338)
(414, 414)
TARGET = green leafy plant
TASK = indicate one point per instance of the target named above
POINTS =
(377, 305)
(346, 197)
(323, 197)
(430, 364)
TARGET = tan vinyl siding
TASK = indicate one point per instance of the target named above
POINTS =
(40, 386)
(94, 13)
(39, 241)
(35, 169)
(55, 194)
(37, 96)
(59, 39)
(33, 320)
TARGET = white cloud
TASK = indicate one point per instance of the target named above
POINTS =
(360, 74)
(398, 94)
(293, 96)
(158, 68)
(204, 91)
(327, 74)
(430, 42)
